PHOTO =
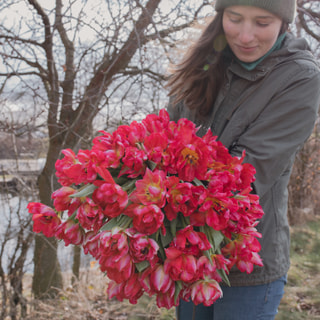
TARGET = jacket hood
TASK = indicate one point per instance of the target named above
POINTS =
(293, 45)
(292, 49)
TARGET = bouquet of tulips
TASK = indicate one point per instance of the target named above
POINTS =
(162, 210)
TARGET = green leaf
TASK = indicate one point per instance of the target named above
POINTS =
(152, 165)
(173, 226)
(155, 236)
(129, 185)
(162, 253)
(197, 182)
(73, 216)
(165, 240)
(120, 181)
(217, 237)
(178, 288)
(109, 225)
(124, 221)
(224, 276)
(208, 254)
(85, 191)
(121, 221)
(142, 265)
(185, 221)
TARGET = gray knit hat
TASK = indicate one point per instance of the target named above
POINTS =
(285, 9)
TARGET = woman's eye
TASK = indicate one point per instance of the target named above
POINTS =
(262, 24)
(235, 20)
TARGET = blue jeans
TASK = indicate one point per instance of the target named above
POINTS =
(238, 303)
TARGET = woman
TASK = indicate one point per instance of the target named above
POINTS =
(257, 87)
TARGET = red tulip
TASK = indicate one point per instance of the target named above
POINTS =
(45, 219)
(205, 292)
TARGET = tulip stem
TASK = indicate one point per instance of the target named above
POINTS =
(194, 312)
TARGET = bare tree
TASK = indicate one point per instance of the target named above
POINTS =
(303, 191)
(80, 59)
(309, 19)
(15, 231)
(16, 236)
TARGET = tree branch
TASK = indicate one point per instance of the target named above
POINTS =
(68, 83)
(108, 69)
(18, 39)
(133, 71)
(53, 89)
(304, 24)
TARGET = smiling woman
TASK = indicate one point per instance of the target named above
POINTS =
(250, 33)
(256, 87)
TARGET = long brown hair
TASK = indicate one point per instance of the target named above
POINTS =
(197, 79)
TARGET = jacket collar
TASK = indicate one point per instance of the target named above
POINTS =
(292, 49)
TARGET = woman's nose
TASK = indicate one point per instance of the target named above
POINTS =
(246, 34)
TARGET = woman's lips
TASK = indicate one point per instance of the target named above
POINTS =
(246, 49)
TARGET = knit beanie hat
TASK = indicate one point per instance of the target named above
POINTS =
(285, 9)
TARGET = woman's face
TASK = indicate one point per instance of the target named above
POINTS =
(250, 31)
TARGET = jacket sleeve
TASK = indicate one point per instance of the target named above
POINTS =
(273, 139)
(173, 110)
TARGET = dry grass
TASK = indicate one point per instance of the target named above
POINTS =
(87, 300)
(302, 297)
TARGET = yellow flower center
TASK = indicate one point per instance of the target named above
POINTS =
(190, 156)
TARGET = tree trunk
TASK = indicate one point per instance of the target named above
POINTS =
(47, 279)
(76, 265)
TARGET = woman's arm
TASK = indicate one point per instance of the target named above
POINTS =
(273, 139)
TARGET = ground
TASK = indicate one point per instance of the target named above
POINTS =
(88, 302)
(302, 297)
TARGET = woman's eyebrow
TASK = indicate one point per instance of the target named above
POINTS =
(232, 12)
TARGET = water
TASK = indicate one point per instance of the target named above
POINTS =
(14, 216)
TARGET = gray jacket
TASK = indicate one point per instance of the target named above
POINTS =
(270, 112)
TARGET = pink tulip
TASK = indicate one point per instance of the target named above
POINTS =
(180, 266)
(45, 219)
(111, 198)
(150, 189)
(146, 219)
(130, 289)
(70, 232)
(205, 292)
(91, 244)
(155, 280)
(143, 248)
(90, 215)
(166, 299)
(63, 202)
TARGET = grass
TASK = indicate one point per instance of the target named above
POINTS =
(88, 302)
(302, 297)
